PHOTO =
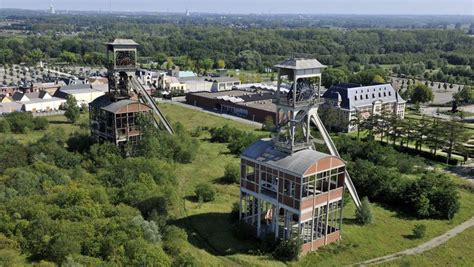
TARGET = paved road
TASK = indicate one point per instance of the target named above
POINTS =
(227, 116)
(423, 247)
(432, 112)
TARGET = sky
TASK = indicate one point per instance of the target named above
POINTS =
(371, 7)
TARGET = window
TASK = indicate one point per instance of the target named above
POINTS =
(355, 97)
(373, 95)
(250, 173)
(289, 188)
(380, 95)
(308, 186)
(384, 94)
(366, 96)
(306, 231)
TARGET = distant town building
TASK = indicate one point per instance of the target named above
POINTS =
(39, 101)
(83, 93)
(349, 99)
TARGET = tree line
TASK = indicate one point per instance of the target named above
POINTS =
(434, 133)
(244, 48)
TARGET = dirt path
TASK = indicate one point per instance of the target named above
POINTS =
(422, 247)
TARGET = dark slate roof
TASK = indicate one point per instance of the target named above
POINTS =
(299, 63)
(17, 96)
(352, 96)
(297, 163)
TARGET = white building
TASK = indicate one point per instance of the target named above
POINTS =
(39, 101)
(83, 93)
(350, 99)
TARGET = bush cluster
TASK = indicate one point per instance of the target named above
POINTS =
(205, 192)
(237, 140)
(385, 175)
(22, 122)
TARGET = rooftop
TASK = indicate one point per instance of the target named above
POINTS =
(352, 96)
(297, 163)
(123, 42)
(300, 63)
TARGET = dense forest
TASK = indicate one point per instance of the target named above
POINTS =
(192, 45)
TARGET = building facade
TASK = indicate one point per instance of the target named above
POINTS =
(349, 99)
(298, 195)
(116, 122)
(288, 189)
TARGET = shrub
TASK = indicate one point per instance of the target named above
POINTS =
(174, 239)
(4, 126)
(205, 192)
(243, 140)
(40, 123)
(364, 214)
(234, 213)
(73, 112)
(288, 250)
(269, 243)
(268, 124)
(231, 174)
(419, 231)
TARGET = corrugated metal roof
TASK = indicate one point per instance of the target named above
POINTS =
(297, 163)
(300, 63)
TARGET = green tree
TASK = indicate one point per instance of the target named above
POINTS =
(455, 136)
(232, 173)
(205, 192)
(69, 57)
(377, 79)
(72, 110)
(364, 213)
(421, 94)
(220, 64)
(419, 230)
(206, 64)
(332, 76)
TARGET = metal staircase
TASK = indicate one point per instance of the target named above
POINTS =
(332, 148)
(145, 98)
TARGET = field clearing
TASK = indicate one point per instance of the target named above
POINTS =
(212, 239)
(209, 223)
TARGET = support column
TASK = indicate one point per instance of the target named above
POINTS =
(259, 215)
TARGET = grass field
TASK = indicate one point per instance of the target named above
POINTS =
(212, 240)
(451, 253)
(212, 237)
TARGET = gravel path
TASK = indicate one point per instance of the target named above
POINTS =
(423, 247)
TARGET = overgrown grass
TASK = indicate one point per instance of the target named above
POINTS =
(212, 233)
(452, 253)
(212, 241)
(55, 122)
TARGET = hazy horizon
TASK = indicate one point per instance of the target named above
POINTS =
(361, 7)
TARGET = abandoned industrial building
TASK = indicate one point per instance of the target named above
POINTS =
(114, 116)
(288, 189)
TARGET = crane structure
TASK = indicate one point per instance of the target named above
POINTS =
(114, 116)
(298, 108)
(288, 188)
